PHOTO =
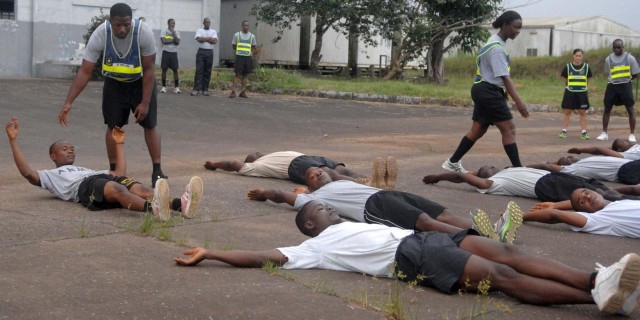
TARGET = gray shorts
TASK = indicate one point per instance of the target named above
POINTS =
(435, 257)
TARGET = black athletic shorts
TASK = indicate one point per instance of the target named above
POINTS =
(169, 61)
(489, 103)
(558, 186)
(629, 173)
(300, 164)
(91, 191)
(575, 100)
(619, 95)
(243, 65)
(119, 99)
(399, 209)
(434, 256)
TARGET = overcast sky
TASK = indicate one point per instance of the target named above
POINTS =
(626, 12)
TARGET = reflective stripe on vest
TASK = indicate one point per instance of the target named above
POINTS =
(577, 78)
(127, 68)
(487, 47)
(621, 72)
(243, 46)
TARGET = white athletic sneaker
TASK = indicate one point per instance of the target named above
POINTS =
(453, 166)
(603, 136)
(632, 138)
(163, 90)
(176, 90)
(160, 206)
(617, 287)
(191, 197)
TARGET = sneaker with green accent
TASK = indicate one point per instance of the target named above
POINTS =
(585, 136)
(480, 222)
(562, 135)
(509, 223)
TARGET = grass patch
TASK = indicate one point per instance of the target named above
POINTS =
(537, 78)
(83, 231)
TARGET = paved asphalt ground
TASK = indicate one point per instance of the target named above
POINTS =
(51, 270)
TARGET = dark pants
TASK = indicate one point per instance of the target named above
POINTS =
(204, 63)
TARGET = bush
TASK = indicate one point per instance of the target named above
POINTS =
(91, 27)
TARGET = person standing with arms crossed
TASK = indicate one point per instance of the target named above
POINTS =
(489, 97)
(622, 68)
(206, 38)
(170, 39)
(244, 43)
(128, 66)
(575, 75)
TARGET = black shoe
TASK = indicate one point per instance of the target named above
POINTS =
(155, 177)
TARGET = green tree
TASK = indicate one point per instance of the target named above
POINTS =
(91, 27)
(283, 14)
(423, 26)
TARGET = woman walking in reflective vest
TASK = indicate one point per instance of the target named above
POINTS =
(490, 92)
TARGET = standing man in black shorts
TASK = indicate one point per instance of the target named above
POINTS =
(489, 92)
(128, 65)
(622, 67)
(170, 39)
(244, 43)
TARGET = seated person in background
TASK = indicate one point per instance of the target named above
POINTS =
(603, 168)
(528, 183)
(593, 214)
(98, 190)
(292, 165)
(446, 262)
(392, 208)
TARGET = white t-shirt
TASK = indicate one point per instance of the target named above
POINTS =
(603, 168)
(517, 181)
(64, 181)
(206, 34)
(98, 39)
(618, 218)
(348, 246)
(272, 165)
(633, 153)
(346, 197)
(171, 47)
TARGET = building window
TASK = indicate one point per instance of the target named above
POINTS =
(8, 9)
(532, 52)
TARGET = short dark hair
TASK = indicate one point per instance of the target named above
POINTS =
(169, 21)
(53, 145)
(120, 10)
(302, 217)
(577, 50)
(506, 18)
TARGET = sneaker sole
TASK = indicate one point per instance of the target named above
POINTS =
(163, 193)
(628, 283)
(392, 173)
(377, 177)
(515, 221)
(483, 225)
(196, 188)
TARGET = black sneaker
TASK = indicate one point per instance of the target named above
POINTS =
(155, 177)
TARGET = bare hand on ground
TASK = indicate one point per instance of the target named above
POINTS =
(257, 195)
(194, 256)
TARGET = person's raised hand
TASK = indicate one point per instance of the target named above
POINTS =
(62, 116)
(12, 128)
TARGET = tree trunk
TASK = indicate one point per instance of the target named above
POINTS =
(352, 61)
(397, 58)
(435, 70)
(315, 54)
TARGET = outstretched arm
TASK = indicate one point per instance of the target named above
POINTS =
(21, 162)
(118, 136)
(546, 166)
(556, 216)
(597, 151)
(458, 177)
(224, 165)
(79, 83)
(276, 196)
(236, 258)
